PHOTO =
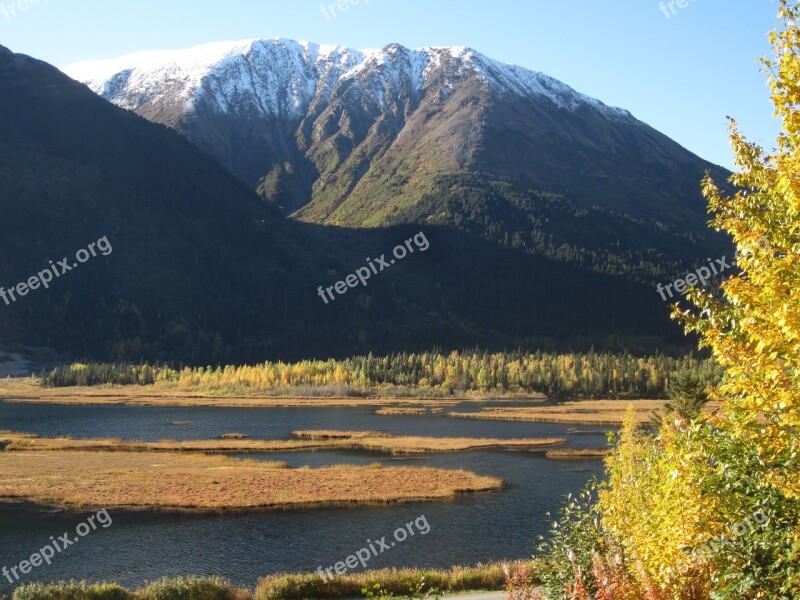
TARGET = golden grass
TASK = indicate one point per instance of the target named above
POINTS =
(584, 412)
(577, 453)
(28, 443)
(28, 390)
(335, 434)
(579, 431)
(308, 440)
(396, 410)
(301, 586)
(421, 445)
(175, 482)
(284, 586)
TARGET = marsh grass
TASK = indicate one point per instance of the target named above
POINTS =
(398, 410)
(333, 434)
(584, 412)
(30, 390)
(170, 481)
(305, 441)
(191, 588)
(577, 453)
(71, 590)
(299, 586)
(309, 586)
(181, 588)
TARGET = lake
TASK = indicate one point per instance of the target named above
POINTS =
(141, 547)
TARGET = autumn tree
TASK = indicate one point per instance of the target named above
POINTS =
(709, 507)
(753, 328)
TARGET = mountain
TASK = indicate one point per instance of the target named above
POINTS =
(445, 136)
(187, 264)
(366, 149)
(192, 265)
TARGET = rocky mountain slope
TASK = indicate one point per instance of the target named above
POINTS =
(446, 136)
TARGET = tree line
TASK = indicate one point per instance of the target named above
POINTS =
(566, 375)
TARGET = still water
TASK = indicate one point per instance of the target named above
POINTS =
(144, 547)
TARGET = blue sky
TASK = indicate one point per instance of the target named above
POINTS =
(682, 74)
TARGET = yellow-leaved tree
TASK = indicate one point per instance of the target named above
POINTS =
(709, 507)
(753, 330)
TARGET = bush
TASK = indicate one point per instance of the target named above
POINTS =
(566, 557)
(191, 588)
(71, 590)
(759, 554)
(655, 509)
(309, 586)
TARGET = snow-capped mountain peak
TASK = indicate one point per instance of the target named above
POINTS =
(283, 77)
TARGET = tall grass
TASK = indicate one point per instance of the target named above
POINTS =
(191, 588)
(309, 586)
(72, 590)
(182, 588)
(301, 586)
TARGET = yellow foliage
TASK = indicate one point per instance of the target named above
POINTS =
(754, 328)
(652, 504)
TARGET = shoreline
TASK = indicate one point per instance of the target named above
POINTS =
(134, 397)
(26, 390)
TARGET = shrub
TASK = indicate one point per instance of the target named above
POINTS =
(308, 586)
(565, 558)
(759, 554)
(71, 590)
(191, 588)
(653, 505)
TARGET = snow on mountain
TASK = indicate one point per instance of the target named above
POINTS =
(283, 77)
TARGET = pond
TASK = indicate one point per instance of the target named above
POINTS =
(139, 547)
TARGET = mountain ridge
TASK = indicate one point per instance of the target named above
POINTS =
(319, 130)
(199, 62)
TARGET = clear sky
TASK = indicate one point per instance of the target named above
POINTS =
(681, 73)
